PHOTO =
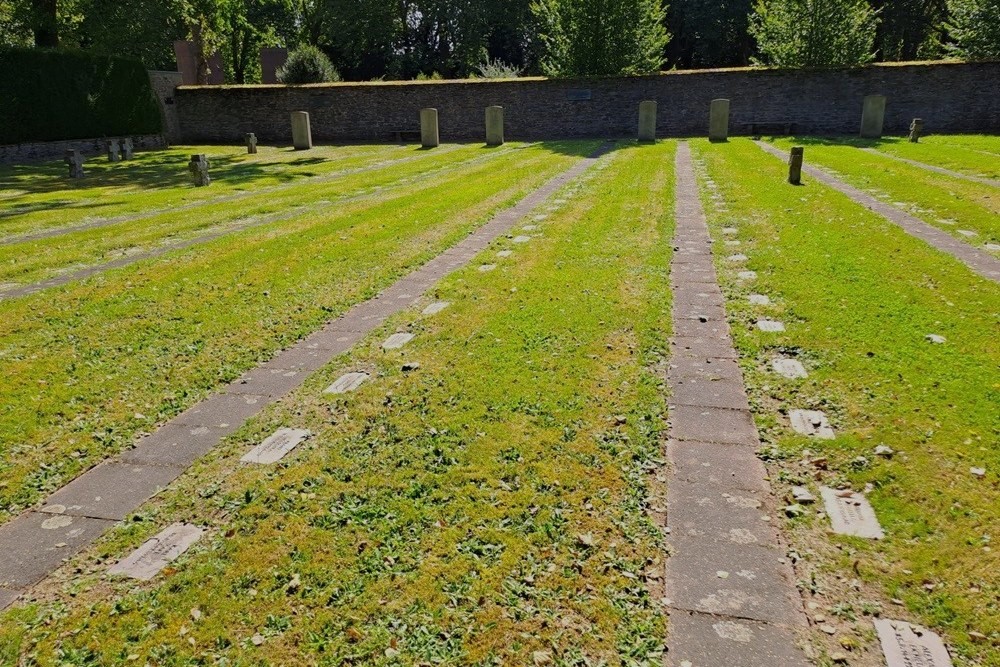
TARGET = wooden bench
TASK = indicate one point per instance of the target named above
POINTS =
(403, 136)
(758, 127)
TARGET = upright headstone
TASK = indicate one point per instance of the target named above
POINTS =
(795, 165)
(647, 121)
(494, 126)
(75, 162)
(127, 149)
(251, 140)
(916, 129)
(114, 150)
(198, 166)
(873, 116)
(301, 132)
(271, 60)
(718, 120)
(430, 137)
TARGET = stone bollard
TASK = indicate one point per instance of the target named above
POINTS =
(114, 150)
(430, 136)
(718, 120)
(494, 126)
(795, 165)
(916, 129)
(75, 162)
(198, 166)
(302, 138)
(127, 149)
(251, 141)
(647, 121)
(873, 116)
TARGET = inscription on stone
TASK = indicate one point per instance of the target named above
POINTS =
(906, 645)
(812, 423)
(436, 307)
(851, 514)
(346, 383)
(146, 562)
(396, 341)
(275, 447)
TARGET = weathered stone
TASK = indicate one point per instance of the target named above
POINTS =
(485, 268)
(851, 514)
(747, 275)
(198, 166)
(936, 339)
(739, 257)
(916, 129)
(436, 307)
(789, 368)
(795, 165)
(521, 239)
(276, 446)
(127, 148)
(711, 641)
(505, 253)
(771, 326)
(907, 645)
(812, 423)
(759, 300)
(873, 116)
(718, 120)
(396, 341)
(301, 131)
(251, 142)
(430, 136)
(74, 160)
(111, 490)
(147, 561)
(647, 121)
(114, 150)
(494, 126)
(347, 382)
(967, 232)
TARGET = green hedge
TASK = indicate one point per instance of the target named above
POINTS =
(54, 95)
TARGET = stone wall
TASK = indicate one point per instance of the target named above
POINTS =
(164, 84)
(43, 151)
(950, 97)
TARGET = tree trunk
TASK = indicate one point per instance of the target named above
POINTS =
(45, 24)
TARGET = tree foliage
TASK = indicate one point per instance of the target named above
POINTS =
(709, 33)
(975, 25)
(307, 64)
(814, 33)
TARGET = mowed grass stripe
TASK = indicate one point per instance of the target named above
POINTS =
(486, 505)
(42, 260)
(967, 154)
(859, 297)
(89, 367)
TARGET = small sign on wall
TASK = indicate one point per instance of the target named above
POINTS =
(578, 95)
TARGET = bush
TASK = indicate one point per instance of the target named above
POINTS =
(51, 95)
(498, 69)
(307, 65)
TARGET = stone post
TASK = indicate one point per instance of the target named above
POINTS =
(251, 141)
(873, 116)
(301, 132)
(494, 126)
(718, 120)
(430, 136)
(128, 149)
(647, 121)
(916, 129)
(75, 162)
(198, 166)
(114, 150)
(795, 165)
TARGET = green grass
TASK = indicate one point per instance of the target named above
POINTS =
(968, 154)
(89, 366)
(859, 296)
(948, 203)
(479, 509)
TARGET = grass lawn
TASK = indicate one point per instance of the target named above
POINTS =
(967, 154)
(90, 365)
(858, 297)
(484, 507)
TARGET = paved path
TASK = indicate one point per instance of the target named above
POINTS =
(38, 541)
(731, 595)
(940, 170)
(976, 259)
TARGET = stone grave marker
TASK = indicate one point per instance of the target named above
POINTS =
(730, 230)
(198, 166)
(739, 257)
(795, 165)
(873, 116)
(994, 247)
(485, 268)
(771, 326)
(851, 514)
(396, 341)
(436, 307)
(347, 382)
(789, 368)
(747, 275)
(114, 150)
(907, 645)
(521, 239)
(75, 162)
(430, 136)
(158, 552)
(718, 120)
(276, 446)
(494, 126)
(967, 232)
(916, 129)
(812, 423)
(127, 149)
(759, 300)
(505, 253)
(301, 131)
(251, 142)
(647, 121)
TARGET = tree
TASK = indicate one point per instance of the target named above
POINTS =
(249, 25)
(45, 23)
(814, 33)
(307, 64)
(975, 26)
(909, 29)
(140, 29)
(708, 33)
(600, 37)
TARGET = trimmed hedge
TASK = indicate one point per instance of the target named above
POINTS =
(57, 95)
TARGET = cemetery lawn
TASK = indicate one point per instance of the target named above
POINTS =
(948, 203)
(90, 366)
(858, 297)
(487, 507)
(975, 155)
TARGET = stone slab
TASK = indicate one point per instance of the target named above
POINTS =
(711, 512)
(747, 275)
(267, 381)
(812, 423)
(700, 640)
(347, 382)
(693, 328)
(35, 544)
(703, 348)
(226, 412)
(276, 446)
(521, 239)
(148, 560)
(704, 368)
(851, 514)
(759, 300)
(174, 444)
(111, 490)
(485, 268)
(789, 368)
(907, 645)
(396, 341)
(699, 294)
(7, 597)
(723, 466)
(698, 311)
(770, 326)
(713, 425)
(436, 307)
(301, 357)
(709, 393)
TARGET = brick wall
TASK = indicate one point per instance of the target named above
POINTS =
(950, 97)
(164, 84)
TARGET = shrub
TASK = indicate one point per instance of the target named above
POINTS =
(498, 69)
(307, 64)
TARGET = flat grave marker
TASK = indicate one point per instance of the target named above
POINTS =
(521, 239)
(436, 307)
(747, 275)
(484, 268)
(770, 326)
(396, 341)
(276, 446)
(907, 645)
(851, 514)
(759, 300)
(812, 423)
(505, 253)
(739, 257)
(158, 552)
(789, 368)
(346, 383)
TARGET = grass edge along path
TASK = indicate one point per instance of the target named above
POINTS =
(29, 541)
(976, 259)
(936, 169)
(718, 495)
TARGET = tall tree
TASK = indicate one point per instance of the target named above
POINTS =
(909, 29)
(248, 25)
(140, 29)
(45, 23)
(710, 33)
(814, 33)
(601, 37)
(975, 26)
